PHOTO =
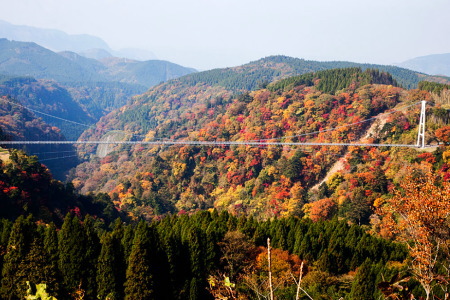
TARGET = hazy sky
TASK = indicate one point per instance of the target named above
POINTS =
(207, 34)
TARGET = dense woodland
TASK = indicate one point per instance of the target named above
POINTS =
(196, 257)
(271, 181)
(189, 222)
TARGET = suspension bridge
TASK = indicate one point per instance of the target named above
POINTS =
(260, 143)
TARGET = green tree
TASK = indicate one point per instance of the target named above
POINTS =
(107, 270)
(72, 252)
(363, 286)
(23, 233)
(37, 268)
(139, 276)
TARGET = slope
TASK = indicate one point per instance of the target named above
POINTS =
(19, 124)
(55, 40)
(47, 96)
(260, 181)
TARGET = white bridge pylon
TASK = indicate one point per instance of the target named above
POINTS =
(421, 134)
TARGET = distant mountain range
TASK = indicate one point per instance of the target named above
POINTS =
(57, 40)
(31, 59)
(435, 64)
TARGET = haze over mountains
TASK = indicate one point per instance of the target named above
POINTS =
(57, 40)
(94, 47)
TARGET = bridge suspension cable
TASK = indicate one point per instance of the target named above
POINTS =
(260, 142)
(199, 143)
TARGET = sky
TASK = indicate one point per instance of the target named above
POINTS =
(207, 34)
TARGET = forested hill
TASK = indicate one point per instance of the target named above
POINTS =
(257, 73)
(260, 181)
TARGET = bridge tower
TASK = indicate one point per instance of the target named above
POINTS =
(421, 134)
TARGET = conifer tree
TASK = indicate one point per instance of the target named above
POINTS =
(127, 240)
(22, 234)
(139, 276)
(363, 286)
(72, 253)
(194, 289)
(37, 268)
(51, 248)
(92, 251)
(5, 231)
(107, 272)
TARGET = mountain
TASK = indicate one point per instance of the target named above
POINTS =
(436, 64)
(83, 44)
(135, 54)
(96, 53)
(30, 59)
(253, 74)
(55, 40)
(145, 73)
(263, 181)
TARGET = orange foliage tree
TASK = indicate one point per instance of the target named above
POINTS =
(284, 269)
(418, 215)
(443, 134)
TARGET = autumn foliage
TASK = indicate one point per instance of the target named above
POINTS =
(418, 215)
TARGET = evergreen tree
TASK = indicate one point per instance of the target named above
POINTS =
(139, 276)
(22, 234)
(92, 251)
(37, 268)
(107, 271)
(5, 231)
(51, 248)
(194, 289)
(363, 286)
(72, 253)
(127, 240)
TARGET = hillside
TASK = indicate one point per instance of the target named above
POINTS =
(85, 89)
(57, 40)
(257, 200)
(30, 59)
(49, 97)
(259, 181)
(19, 124)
